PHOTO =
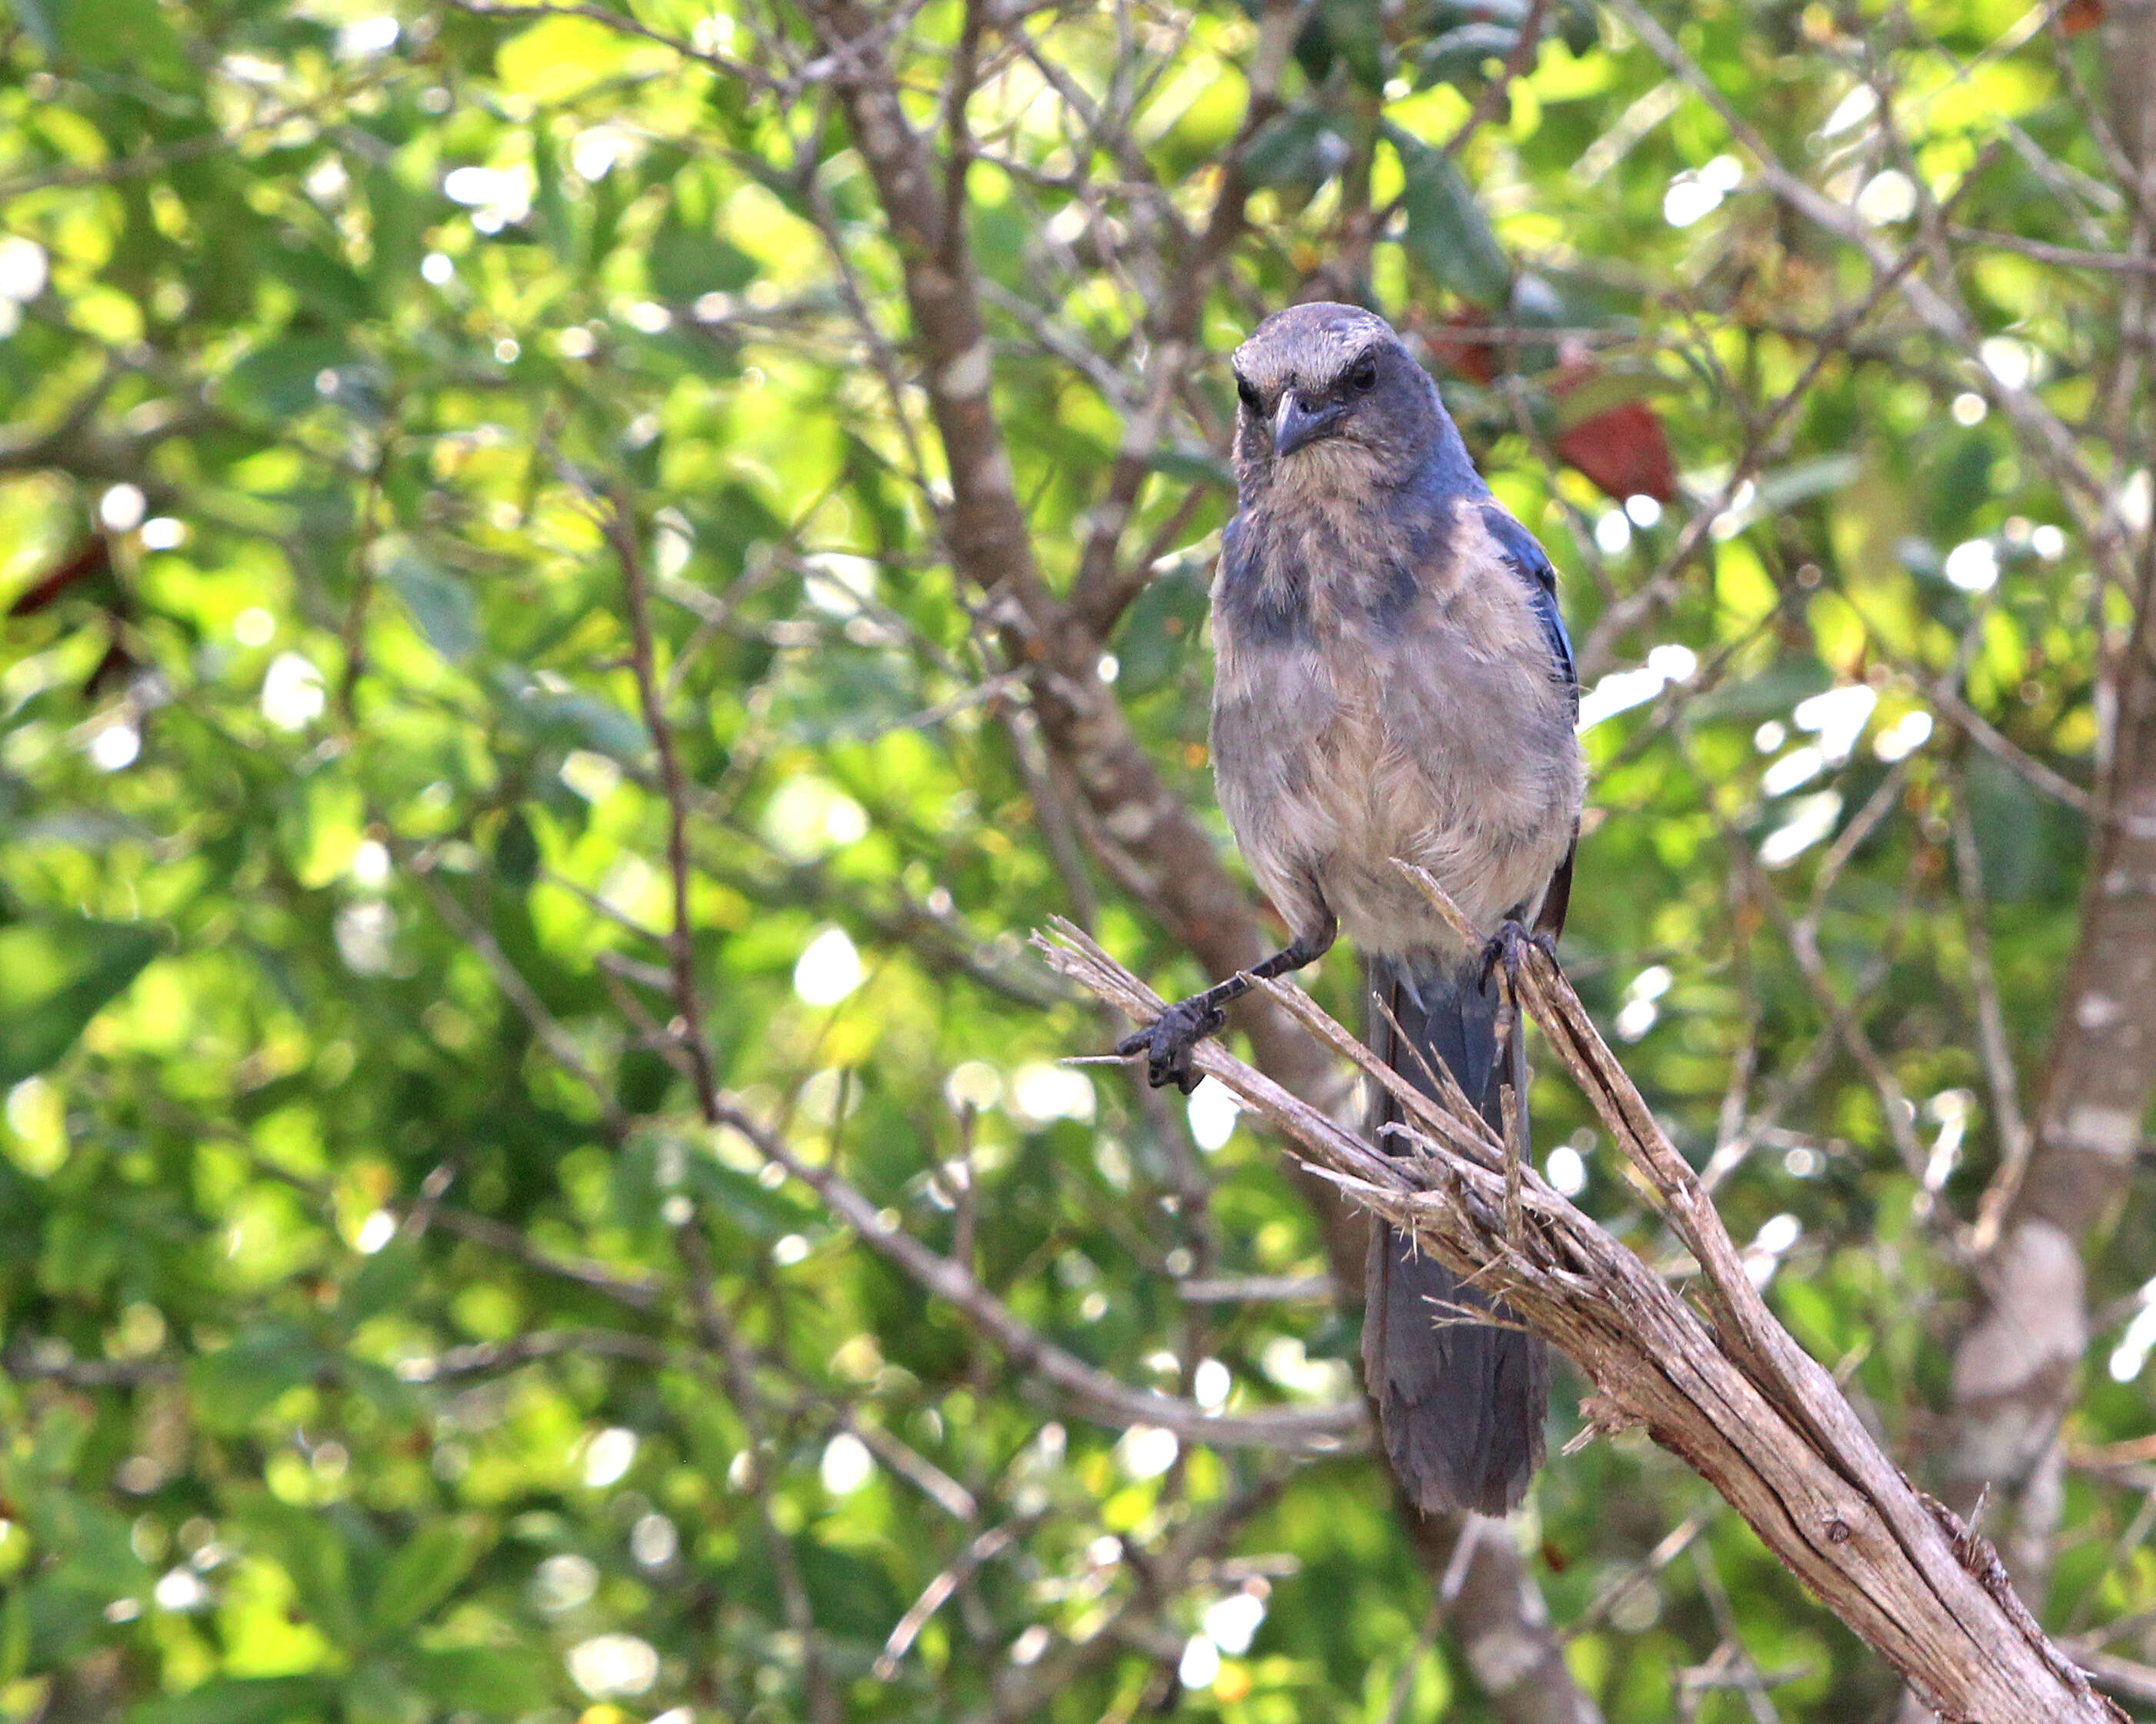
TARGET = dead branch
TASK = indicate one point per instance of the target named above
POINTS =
(1719, 1383)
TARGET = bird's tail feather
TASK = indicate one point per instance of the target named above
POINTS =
(1461, 1403)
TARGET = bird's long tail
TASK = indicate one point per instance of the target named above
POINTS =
(1461, 1403)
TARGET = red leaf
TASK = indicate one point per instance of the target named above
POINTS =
(1622, 450)
(1476, 360)
(92, 559)
(2080, 16)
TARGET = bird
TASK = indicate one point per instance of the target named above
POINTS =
(1393, 679)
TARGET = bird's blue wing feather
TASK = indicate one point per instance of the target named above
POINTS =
(1527, 556)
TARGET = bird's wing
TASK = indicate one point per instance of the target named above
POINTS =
(1557, 899)
(1524, 553)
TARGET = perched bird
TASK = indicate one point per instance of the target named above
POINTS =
(1393, 678)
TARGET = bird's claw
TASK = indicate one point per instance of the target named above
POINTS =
(1505, 947)
(1167, 1042)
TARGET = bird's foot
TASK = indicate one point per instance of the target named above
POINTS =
(1505, 946)
(1167, 1042)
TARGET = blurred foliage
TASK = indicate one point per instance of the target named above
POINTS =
(333, 860)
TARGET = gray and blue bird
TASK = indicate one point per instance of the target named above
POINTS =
(1393, 679)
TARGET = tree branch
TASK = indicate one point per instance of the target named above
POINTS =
(1725, 1390)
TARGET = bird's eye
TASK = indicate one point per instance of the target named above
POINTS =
(1249, 396)
(1364, 377)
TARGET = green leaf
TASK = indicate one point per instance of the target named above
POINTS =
(571, 719)
(440, 604)
(1162, 629)
(1447, 232)
(2029, 843)
(424, 1572)
(1610, 387)
(1355, 34)
(1808, 1313)
(1459, 56)
(311, 1549)
(55, 977)
(399, 213)
(685, 264)
(1771, 694)
(1193, 466)
(1298, 148)
(853, 694)
(89, 1542)
(561, 57)
(1578, 27)
(37, 17)
(242, 1700)
(550, 199)
(129, 35)
(517, 852)
(495, 1684)
(283, 379)
(324, 283)
(1801, 479)
(235, 1385)
(1345, 31)
(380, 1283)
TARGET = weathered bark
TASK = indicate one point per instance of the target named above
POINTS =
(2129, 46)
(1718, 1383)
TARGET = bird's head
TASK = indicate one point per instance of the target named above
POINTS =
(1331, 398)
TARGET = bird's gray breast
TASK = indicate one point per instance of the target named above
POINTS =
(1353, 722)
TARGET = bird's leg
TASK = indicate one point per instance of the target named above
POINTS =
(1168, 1040)
(1505, 949)
(1515, 1157)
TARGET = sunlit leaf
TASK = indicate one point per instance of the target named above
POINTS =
(425, 1571)
(56, 976)
(1446, 229)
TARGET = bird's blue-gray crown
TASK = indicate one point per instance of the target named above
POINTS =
(1332, 398)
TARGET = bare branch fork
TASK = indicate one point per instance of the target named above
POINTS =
(1716, 1381)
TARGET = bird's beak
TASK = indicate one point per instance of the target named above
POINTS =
(1295, 424)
